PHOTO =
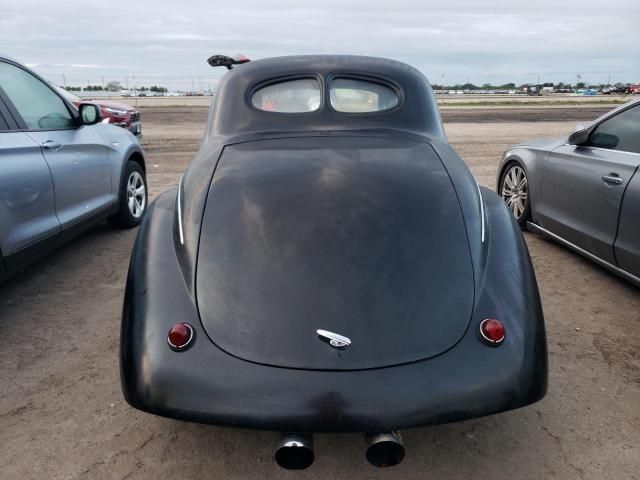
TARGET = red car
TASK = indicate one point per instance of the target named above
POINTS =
(634, 89)
(116, 113)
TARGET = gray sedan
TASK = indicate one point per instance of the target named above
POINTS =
(584, 190)
(61, 169)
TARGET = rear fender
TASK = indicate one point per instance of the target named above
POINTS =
(149, 313)
(508, 291)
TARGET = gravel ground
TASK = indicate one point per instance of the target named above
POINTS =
(62, 415)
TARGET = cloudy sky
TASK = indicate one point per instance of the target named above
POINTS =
(166, 42)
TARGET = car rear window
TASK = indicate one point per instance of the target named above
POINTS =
(290, 96)
(361, 96)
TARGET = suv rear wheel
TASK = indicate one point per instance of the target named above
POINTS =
(132, 198)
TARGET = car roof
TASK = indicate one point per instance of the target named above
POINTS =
(233, 114)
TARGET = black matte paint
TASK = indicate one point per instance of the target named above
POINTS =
(207, 385)
(360, 236)
(389, 241)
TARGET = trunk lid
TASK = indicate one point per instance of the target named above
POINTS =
(359, 236)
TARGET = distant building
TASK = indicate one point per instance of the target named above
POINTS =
(537, 89)
(532, 89)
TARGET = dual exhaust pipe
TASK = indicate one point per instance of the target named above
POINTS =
(295, 450)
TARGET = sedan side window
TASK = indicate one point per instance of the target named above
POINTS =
(40, 108)
(621, 132)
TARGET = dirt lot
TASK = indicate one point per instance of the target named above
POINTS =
(62, 415)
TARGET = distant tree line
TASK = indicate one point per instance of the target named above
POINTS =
(512, 86)
(471, 86)
(88, 88)
(155, 88)
(116, 87)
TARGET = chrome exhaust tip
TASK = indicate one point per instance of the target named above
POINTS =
(295, 451)
(384, 449)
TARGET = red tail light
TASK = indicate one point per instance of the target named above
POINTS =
(180, 337)
(492, 331)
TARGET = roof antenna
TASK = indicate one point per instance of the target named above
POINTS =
(224, 61)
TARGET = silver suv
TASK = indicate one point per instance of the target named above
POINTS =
(61, 169)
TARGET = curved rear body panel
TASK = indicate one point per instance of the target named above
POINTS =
(205, 384)
(361, 236)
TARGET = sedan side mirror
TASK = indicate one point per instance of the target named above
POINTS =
(579, 137)
(89, 113)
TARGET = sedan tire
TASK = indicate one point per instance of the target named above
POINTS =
(514, 190)
(132, 197)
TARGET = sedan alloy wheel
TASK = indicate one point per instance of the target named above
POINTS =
(514, 191)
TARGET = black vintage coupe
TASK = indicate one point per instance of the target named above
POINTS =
(328, 264)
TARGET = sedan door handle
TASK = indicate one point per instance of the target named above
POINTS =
(52, 145)
(612, 179)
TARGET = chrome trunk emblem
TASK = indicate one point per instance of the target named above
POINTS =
(334, 339)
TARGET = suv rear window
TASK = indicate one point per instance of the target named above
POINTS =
(361, 96)
(290, 96)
